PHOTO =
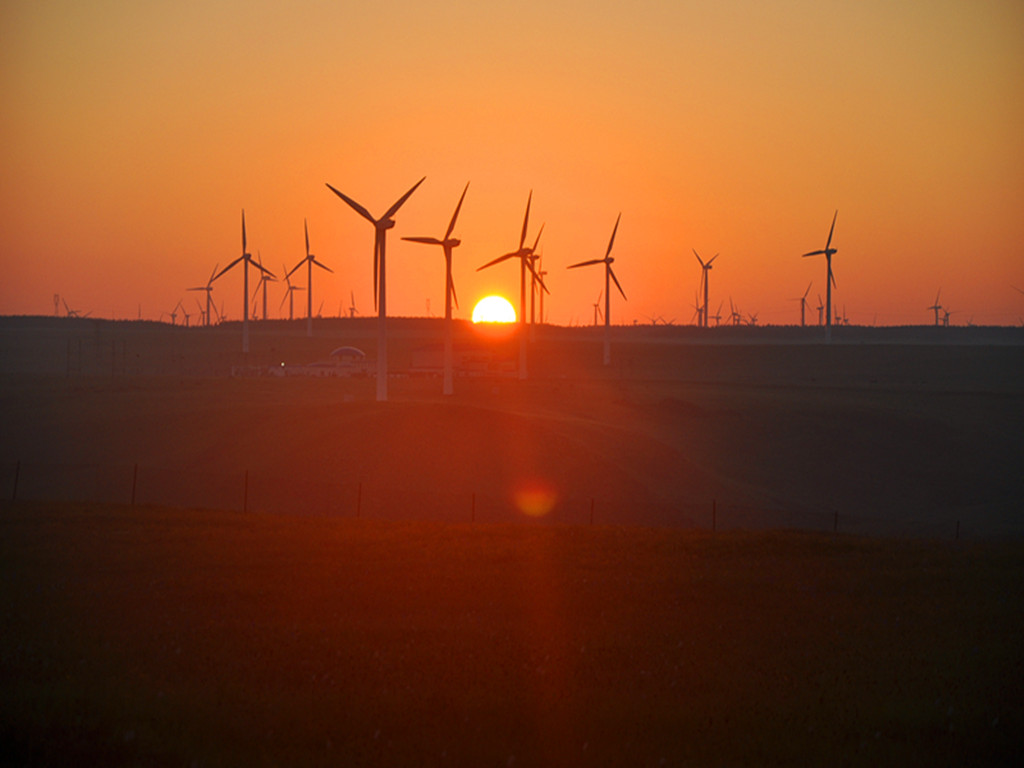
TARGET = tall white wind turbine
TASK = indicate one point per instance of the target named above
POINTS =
(448, 243)
(380, 226)
(830, 281)
(609, 275)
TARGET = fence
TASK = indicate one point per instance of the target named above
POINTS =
(141, 485)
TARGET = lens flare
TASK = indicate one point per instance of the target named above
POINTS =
(535, 498)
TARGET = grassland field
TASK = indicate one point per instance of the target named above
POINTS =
(299, 633)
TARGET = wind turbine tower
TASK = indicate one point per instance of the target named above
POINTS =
(524, 254)
(448, 243)
(828, 251)
(246, 259)
(609, 276)
(380, 227)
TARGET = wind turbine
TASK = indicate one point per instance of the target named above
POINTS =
(828, 251)
(597, 309)
(821, 308)
(209, 290)
(309, 261)
(735, 316)
(525, 263)
(381, 227)
(352, 311)
(609, 275)
(717, 317)
(936, 306)
(246, 259)
(705, 268)
(803, 304)
(289, 293)
(448, 243)
(265, 278)
(541, 272)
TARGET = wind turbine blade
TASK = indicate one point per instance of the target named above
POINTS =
(451, 224)
(616, 281)
(832, 277)
(394, 208)
(586, 263)
(814, 253)
(612, 240)
(305, 227)
(427, 240)
(526, 220)
(322, 266)
(496, 261)
(808, 289)
(451, 285)
(831, 229)
(292, 270)
(229, 266)
(269, 275)
(355, 206)
(243, 231)
(712, 259)
(702, 265)
(213, 273)
(537, 239)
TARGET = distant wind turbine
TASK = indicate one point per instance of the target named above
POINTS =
(821, 308)
(704, 269)
(609, 276)
(352, 311)
(597, 309)
(448, 244)
(380, 226)
(246, 259)
(524, 254)
(261, 284)
(209, 290)
(936, 307)
(289, 292)
(830, 281)
(309, 261)
(803, 304)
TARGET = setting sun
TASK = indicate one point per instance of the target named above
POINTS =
(493, 309)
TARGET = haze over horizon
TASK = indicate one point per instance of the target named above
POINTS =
(134, 135)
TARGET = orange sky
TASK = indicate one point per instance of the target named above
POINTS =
(133, 134)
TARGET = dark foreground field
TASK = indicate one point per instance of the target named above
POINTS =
(175, 637)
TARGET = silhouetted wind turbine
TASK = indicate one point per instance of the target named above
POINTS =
(289, 293)
(828, 251)
(352, 311)
(380, 226)
(803, 304)
(936, 306)
(705, 268)
(821, 308)
(209, 290)
(448, 243)
(609, 275)
(309, 261)
(261, 283)
(246, 259)
(597, 309)
(541, 272)
(525, 263)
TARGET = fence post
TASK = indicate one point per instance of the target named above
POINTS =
(17, 474)
(245, 495)
(135, 481)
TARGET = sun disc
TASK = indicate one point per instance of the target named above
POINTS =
(494, 309)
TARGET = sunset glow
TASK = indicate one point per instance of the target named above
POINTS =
(133, 134)
(494, 309)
